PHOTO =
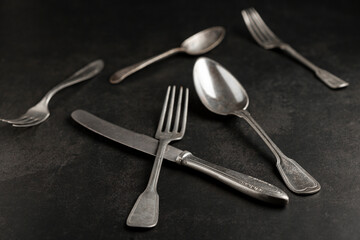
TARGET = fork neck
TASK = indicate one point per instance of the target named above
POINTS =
(292, 52)
(155, 172)
(57, 88)
(48, 96)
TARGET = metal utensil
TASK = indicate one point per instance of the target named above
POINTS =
(40, 112)
(246, 184)
(146, 209)
(221, 93)
(268, 40)
(197, 44)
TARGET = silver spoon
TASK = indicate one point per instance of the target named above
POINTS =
(197, 44)
(221, 93)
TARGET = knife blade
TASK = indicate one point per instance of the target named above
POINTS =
(248, 185)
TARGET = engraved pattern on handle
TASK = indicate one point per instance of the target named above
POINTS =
(329, 79)
(295, 177)
(127, 71)
(248, 185)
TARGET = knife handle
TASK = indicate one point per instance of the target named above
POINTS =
(248, 185)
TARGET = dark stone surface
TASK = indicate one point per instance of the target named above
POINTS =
(59, 181)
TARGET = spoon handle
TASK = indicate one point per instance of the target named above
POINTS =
(295, 177)
(127, 71)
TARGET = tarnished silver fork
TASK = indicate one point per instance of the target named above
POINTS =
(40, 112)
(268, 40)
(145, 212)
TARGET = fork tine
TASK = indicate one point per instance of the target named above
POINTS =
(163, 112)
(16, 120)
(185, 111)
(261, 22)
(262, 25)
(178, 110)
(33, 123)
(171, 109)
(11, 120)
(253, 28)
(26, 121)
(29, 120)
(30, 124)
(257, 26)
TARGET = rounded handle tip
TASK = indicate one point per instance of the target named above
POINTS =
(296, 178)
(145, 212)
(330, 79)
(115, 79)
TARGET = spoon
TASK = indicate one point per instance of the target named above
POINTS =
(221, 93)
(197, 44)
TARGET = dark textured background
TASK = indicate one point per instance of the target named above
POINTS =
(59, 181)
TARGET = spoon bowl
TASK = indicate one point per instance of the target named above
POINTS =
(199, 43)
(204, 41)
(221, 93)
(217, 88)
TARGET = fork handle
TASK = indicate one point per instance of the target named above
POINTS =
(243, 183)
(145, 212)
(85, 73)
(121, 74)
(329, 79)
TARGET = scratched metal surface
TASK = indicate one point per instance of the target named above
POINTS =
(59, 181)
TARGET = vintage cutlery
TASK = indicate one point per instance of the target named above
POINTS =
(246, 184)
(145, 212)
(40, 112)
(221, 93)
(199, 43)
(268, 40)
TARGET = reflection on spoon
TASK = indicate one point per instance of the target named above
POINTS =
(199, 43)
(221, 93)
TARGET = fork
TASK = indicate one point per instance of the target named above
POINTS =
(40, 112)
(145, 212)
(268, 40)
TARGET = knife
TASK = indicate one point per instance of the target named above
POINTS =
(248, 185)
